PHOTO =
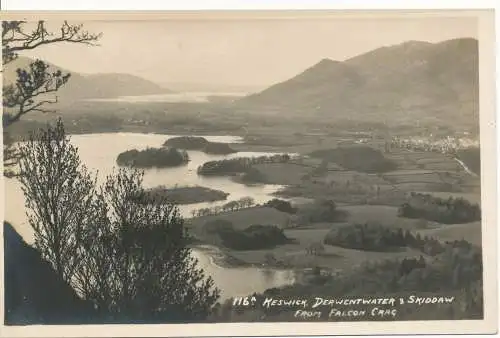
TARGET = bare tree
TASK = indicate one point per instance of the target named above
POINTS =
(58, 192)
(32, 89)
(130, 259)
(139, 266)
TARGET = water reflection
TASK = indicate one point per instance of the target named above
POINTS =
(99, 151)
(237, 282)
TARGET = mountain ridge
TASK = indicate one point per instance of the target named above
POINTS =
(411, 80)
(92, 86)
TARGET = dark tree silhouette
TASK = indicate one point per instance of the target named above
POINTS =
(448, 211)
(281, 205)
(130, 259)
(58, 192)
(138, 265)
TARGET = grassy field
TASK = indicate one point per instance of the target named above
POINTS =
(364, 197)
(423, 160)
(416, 171)
(333, 258)
(282, 173)
(385, 215)
(472, 197)
(244, 218)
(294, 254)
(423, 177)
(354, 192)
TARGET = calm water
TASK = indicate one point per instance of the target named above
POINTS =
(99, 152)
(170, 97)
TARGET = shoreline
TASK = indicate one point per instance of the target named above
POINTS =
(223, 259)
(172, 133)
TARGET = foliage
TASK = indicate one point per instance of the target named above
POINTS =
(59, 197)
(357, 158)
(11, 155)
(33, 87)
(186, 142)
(238, 165)
(37, 81)
(448, 211)
(254, 237)
(376, 237)
(322, 210)
(184, 195)
(457, 271)
(131, 260)
(153, 157)
(244, 202)
(252, 176)
(281, 205)
(139, 265)
(368, 236)
(199, 143)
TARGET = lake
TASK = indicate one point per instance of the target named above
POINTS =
(99, 152)
(170, 97)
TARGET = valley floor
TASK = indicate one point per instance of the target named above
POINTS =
(363, 197)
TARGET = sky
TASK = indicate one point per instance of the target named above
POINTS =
(246, 52)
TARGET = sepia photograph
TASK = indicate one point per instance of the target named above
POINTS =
(328, 171)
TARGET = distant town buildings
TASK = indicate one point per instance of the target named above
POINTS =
(447, 145)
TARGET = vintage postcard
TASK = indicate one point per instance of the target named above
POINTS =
(248, 173)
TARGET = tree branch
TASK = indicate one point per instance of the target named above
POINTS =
(15, 39)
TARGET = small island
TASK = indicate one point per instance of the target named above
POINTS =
(183, 195)
(186, 142)
(153, 157)
(239, 165)
(199, 143)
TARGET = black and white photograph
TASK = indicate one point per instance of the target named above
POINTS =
(333, 168)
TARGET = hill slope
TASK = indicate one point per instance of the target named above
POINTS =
(406, 81)
(93, 86)
(34, 294)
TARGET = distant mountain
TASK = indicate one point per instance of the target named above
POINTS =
(412, 80)
(82, 86)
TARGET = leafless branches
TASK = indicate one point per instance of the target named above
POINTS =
(130, 259)
(15, 37)
(35, 86)
(59, 196)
